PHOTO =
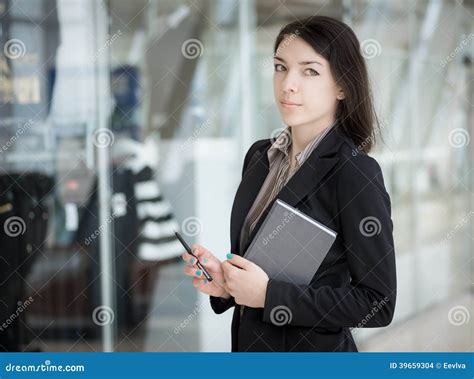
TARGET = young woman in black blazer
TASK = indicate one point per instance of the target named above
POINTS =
(320, 80)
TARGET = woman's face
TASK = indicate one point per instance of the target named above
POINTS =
(304, 88)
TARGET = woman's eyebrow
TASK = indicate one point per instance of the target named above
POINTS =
(301, 63)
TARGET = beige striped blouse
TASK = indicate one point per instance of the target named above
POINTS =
(279, 174)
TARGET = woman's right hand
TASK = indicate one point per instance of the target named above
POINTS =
(213, 267)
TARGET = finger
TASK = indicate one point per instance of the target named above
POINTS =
(238, 261)
(203, 286)
(213, 265)
(227, 268)
(199, 282)
(206, 258)
(192, 271)
(201, 252)
(188, 258)
(229, 272)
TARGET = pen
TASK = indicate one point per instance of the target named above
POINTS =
(188, 249)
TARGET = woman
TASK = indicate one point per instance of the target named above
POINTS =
(319, 165)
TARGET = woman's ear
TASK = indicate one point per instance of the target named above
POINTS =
(341, 95)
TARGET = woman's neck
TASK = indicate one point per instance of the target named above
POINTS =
(302, 135)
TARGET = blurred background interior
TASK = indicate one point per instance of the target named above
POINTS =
(121, 121)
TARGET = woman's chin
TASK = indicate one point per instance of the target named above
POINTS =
(290, 120)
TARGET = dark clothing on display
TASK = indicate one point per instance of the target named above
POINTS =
(124, 228)
(24, 222)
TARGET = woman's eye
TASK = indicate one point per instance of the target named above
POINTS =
(279, 67)
(311, 72)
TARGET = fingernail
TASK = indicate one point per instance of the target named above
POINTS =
(204, 260)
(206, 281)
(198, 272)
(192, 260)
(230, 255)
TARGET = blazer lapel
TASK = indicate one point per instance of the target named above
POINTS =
(304, 180)
(248, 191)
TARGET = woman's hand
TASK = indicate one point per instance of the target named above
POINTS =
(213, 266)
(245, 281)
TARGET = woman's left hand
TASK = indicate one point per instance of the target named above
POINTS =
(245, 281)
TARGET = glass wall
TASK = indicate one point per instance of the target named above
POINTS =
(124, 121)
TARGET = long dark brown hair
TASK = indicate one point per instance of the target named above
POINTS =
(336, 42)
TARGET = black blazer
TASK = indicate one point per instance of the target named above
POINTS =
(355, 285)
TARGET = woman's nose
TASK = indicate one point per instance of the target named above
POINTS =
(290, 84)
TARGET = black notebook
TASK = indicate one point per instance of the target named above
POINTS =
(290, 245)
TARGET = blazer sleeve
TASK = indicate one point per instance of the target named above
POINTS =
(367, 231)
(219, 304)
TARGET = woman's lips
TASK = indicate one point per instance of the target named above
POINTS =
(289, 105)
